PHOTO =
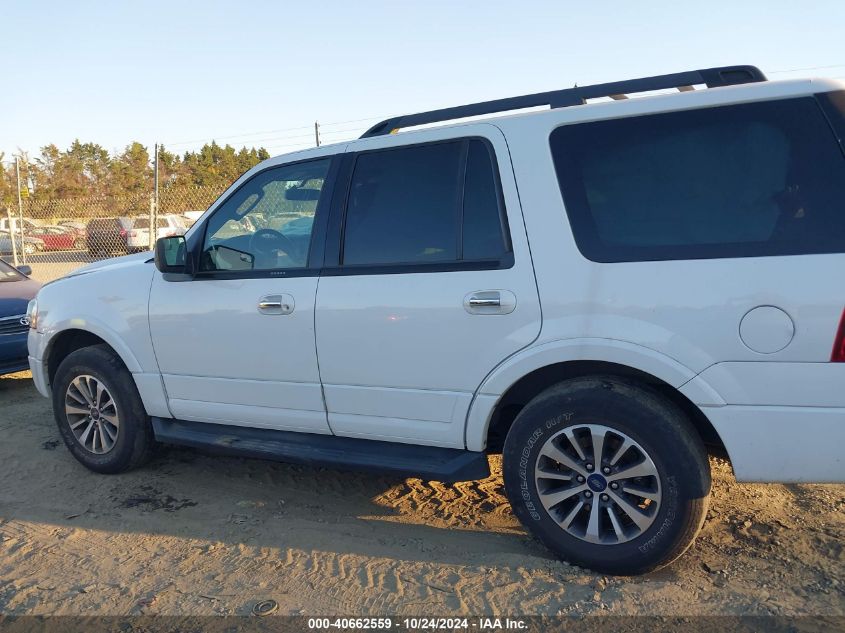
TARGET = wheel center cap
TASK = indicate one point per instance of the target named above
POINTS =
(95, 414)
(596, 482)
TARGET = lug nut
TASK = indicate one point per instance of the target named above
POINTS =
(604, 497)
(589, 466)
(580, 479)
(606, 470)
(588, 494)
(614, 485)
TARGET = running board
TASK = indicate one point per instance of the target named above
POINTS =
(346, 453)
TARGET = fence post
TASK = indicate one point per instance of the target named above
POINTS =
(20, 214)
(317, 133)
(12, 237)
(154, 207)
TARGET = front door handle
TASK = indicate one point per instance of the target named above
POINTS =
(276, 304)
(490, 302)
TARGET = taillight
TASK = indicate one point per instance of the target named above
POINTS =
(838, 353)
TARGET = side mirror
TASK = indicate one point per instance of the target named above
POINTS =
(26, 270)
(171, 254)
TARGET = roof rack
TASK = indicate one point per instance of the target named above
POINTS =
(617, 90)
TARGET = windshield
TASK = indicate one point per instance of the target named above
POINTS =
(7, 273)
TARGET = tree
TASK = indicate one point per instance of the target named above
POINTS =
(131, 171)
(87, 170)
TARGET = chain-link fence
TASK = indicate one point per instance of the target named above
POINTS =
(56, 236)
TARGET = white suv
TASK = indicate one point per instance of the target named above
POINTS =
(138, 238)
(600, 291)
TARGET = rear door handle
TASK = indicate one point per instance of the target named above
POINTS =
(490, 302)
(478, 302)
(276, 304)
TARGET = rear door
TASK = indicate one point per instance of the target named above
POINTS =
(428, 284)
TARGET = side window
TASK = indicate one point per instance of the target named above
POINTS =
(430, 203)
(734, 181)
(401, 206)
(482, 219)
(266, 224)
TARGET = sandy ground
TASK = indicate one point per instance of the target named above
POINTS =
(193, 534)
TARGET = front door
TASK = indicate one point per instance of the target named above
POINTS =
(430, 286)
(235, 344)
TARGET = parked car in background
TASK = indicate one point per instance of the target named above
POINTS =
(16, 289)
(108, 235)
(59, 238)
(191, 217)
(29, 245)
(166, 225)
(28, 225)
(79, 226)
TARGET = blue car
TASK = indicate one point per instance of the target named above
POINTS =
(16, 289)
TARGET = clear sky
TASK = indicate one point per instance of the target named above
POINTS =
(181, 73)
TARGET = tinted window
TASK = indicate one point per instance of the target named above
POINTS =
(482, 228)
(406, 206)
(7, 273)
(108, 224)
(734, 181)
(144, 223)
(266, 224)
(402, 206)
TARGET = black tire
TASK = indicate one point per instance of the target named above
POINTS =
(134, 443)
(660, 428)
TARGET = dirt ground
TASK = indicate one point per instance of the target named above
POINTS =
(193, 534)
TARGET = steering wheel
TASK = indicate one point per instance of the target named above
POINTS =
(265, 242)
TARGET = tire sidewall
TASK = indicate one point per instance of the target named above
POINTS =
(656, 427)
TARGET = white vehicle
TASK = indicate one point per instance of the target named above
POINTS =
(602, 292)
(192, 216)
(28, 224)
(138, 237)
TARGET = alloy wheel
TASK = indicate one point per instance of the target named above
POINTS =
(598, 484)
(91, 413)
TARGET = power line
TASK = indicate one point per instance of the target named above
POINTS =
(795, 70)
(243, 137)
(223, 138)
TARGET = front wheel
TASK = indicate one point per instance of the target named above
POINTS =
(608, 474)
(30, 249)
(99, 413)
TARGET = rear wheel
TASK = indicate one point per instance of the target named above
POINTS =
(79, 244)
(607, 474)
(99, 413)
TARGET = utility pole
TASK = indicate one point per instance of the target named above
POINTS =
(154, 210)
(317, 133)
(20, 215)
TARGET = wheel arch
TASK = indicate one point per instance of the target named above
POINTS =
(68, 340)
(514, 383)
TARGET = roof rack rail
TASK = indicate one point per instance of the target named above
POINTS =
(712, 77)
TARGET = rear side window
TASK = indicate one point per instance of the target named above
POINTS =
(103, 225)
(734, 181)
(420, 204)
(483, 218)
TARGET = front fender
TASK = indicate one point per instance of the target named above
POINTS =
(51, 334)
